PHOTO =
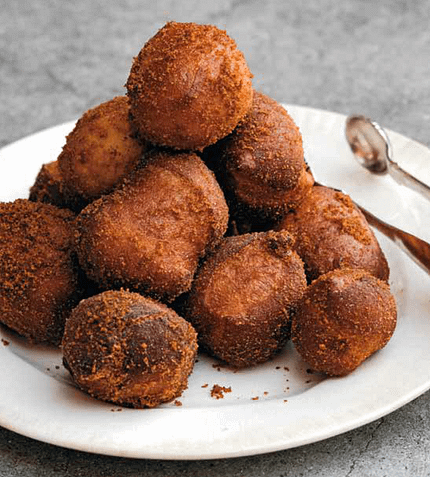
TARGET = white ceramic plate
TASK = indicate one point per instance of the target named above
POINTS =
(275, 406)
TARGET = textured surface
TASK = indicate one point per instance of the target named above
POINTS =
(58, 59)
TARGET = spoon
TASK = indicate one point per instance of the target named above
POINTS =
(372, 148)
(416, 248)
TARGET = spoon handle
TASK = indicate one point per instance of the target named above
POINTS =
(417, 249)
(404, 178)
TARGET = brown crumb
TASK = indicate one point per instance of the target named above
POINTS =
(266, 393)
(285, 400)
(205, 385)
(218, 391)
(256, 398)
(219, 366)
(286, 368)
(5, 342)
(57, 367)
(178, 403)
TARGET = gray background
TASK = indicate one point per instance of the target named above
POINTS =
(58, 59)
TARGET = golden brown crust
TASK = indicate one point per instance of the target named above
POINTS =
(267, 145)
(127, 349)
(264, 159)
(39, 280)
(344, 317)
(48, 186)
(189, 86)
(241, 298)
(100, 151)
(150, 234)
(332, 233)
(262, 201)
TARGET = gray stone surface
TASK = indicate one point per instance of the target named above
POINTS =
(57, 59)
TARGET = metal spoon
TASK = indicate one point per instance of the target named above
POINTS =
(372, 148)
(416, 248)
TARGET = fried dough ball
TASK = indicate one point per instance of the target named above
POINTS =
(48, 186)
(343, 318)
(100, 151)
(39, 279)
(127, 349)
(241, 298)
(189, 86)
(150, 234)
(332, 233)
(264, 159)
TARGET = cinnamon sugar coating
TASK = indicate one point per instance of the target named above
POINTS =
(100, 151)
(128, 349)
(39, 277)
(343, 318)
(150, 234)
(241, 299)
(189, 86)
(264, 159)
(332, 233)
(48, 186)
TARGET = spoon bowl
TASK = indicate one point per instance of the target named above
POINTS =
(372, 148)
(369, 143)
